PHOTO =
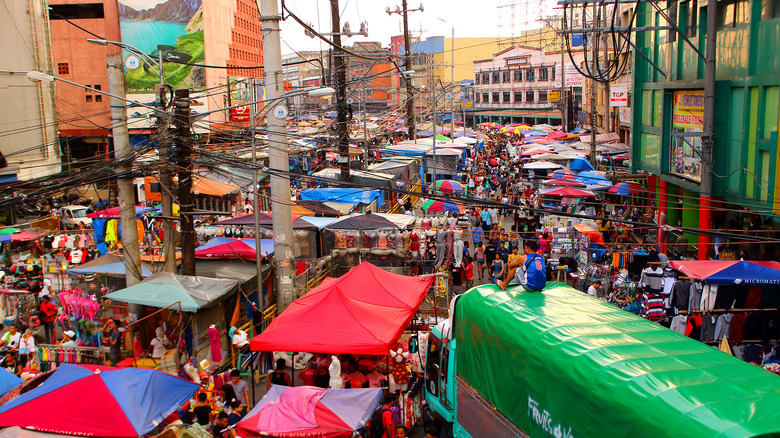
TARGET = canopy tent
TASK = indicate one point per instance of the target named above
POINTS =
(542, 165)
(563, 182)
(581, 164)
(362, 312)
(89, 400)
(319, 222)
(24, 236)
(749, 273)
(368, 221)
(205, 186)
(8, 381)
(165, 289)
(569, 192)
(400, 220)
(310, 411)
(352, 196)
(113, 212)
(591, 233)
(232, 248)
(118, 268)
(265, 220)
(314, 208)
(627, 188)
(592, 178)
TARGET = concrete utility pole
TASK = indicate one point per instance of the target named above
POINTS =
(564, 99)
(183, 134)
(708, 140)
(166, 186)
(342, 124)
(255, 196)
(124, 156)
(594, 54)
(279, 161)
(411, 123)
(432, 86)
(452, 79)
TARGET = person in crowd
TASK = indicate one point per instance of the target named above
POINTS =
(544, 244)
(27, 349)
(202, 410)
(68, 339)
(431, 432)
(400, 432)
(497, 269)
(48, 317)
(239, 339)
(279, 376)
(159, 343)
(594, 288)
(468, 272)
(11, 338)
(242, 389)
(528, 270)
(114, 341)
(479, 254)
(11, 364)
(237, 413)
(308, 374)
(222, 428)
(388, 422)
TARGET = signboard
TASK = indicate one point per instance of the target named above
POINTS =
(687, 125)
(573, 77)
(240, 92)
(553, 96)
(466, 103)
(624, 113)
(173, 27)
(618, 95)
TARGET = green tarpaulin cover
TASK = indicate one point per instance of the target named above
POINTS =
(560, 363)
(164, 289)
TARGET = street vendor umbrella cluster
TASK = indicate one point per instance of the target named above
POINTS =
(448, 186)
(433, 206)
(89, 400)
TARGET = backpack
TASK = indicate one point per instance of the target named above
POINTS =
(376, 427)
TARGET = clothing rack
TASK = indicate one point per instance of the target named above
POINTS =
(50, 356)
(685, 312)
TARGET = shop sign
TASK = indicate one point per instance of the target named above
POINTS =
(687, 126)
(624, 113)
(618, 96)
(553, 96)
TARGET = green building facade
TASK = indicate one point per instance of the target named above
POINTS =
(667, 111)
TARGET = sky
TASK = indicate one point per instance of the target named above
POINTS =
(470, 18)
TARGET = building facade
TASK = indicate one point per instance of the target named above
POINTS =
(668, 113)
(515, 86)
(29, 121)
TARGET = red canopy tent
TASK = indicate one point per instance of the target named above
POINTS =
(362, 312)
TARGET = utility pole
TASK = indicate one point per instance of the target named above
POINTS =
(279, 161)
(594, 54)
(365, 131)
(607, 112)
(342, 124)
(564, 99)
(432, 87)
(183, 134)
(410, 117)
(166, 186)
(452, 80)
(708, 140)
(255, 200)
(124, 157)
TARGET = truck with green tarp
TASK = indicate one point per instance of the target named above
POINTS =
(562, 364)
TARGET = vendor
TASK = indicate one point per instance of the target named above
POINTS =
(10, 363)
(159, 344)
(239, 339)
(68, 339)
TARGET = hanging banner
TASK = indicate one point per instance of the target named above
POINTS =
(573, 77)
(687, 126)
(618, 96)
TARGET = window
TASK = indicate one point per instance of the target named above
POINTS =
(495, 77)
(63, 68)
(476, 98)
(485, 78)
(733, 13)
(505, 97)
(97, 87)
(529, 96)
(98, 98)
(543, 74)
(506, 76)
(692, 23)
(76, 12)
(518, 96)
(552, 73)
(542, 96)
(485, 98)
(518, 75)
(529, 75)
(88, 98)
(770, 9)
(495, 97)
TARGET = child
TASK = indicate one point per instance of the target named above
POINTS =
(27, 348)
(202, 410)
(279, 377)
(468, 273)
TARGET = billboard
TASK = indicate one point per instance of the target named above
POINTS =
(618, 96)
(573, 77)
(174, 27)
(687, 126)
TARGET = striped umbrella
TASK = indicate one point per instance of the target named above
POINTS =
(433, 206)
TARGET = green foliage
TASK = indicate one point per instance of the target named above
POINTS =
(176, 75)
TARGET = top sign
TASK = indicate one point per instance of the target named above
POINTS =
(618, 96)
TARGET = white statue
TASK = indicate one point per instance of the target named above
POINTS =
(335, 373)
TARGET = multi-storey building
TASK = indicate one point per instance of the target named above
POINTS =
(668, 113)
(514, 86)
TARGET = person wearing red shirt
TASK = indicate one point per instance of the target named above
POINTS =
(48, 316)
(308, 375)
(468, 273)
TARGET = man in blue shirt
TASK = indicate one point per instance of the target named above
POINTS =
(476, 235)
(527, 270)
(486, 218)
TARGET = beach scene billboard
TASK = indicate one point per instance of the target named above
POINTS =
(173, 28)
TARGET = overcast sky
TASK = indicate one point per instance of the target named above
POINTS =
(470, 18)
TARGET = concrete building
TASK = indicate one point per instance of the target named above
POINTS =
(27, 116)
(83, 117)
(668, 116)
(370, 79)
(305, 69)
(514, 86)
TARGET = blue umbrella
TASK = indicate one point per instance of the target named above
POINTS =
(592, 178)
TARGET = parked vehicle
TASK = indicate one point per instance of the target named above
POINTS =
(74, 216)
(562, 364)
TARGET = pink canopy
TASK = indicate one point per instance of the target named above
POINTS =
(362, 312)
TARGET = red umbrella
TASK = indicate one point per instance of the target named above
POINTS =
(627, 188)
(568, 192)
(563, 173)
(563, 182)
(556, 134)
(593, 234)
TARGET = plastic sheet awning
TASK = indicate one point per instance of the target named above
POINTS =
(594, 370)
(367, 221)
(352, 196)
(362, 312)
(308, 411)
(234, 248)
(165, 289)
(750, 273)
(118, 268)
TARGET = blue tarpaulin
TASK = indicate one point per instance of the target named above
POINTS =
(8, 381)
(109, 269)
(745, 273)
(349, 196)
(580, 164)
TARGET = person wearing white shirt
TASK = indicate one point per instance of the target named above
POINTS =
(159, 344)
(593, 290)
